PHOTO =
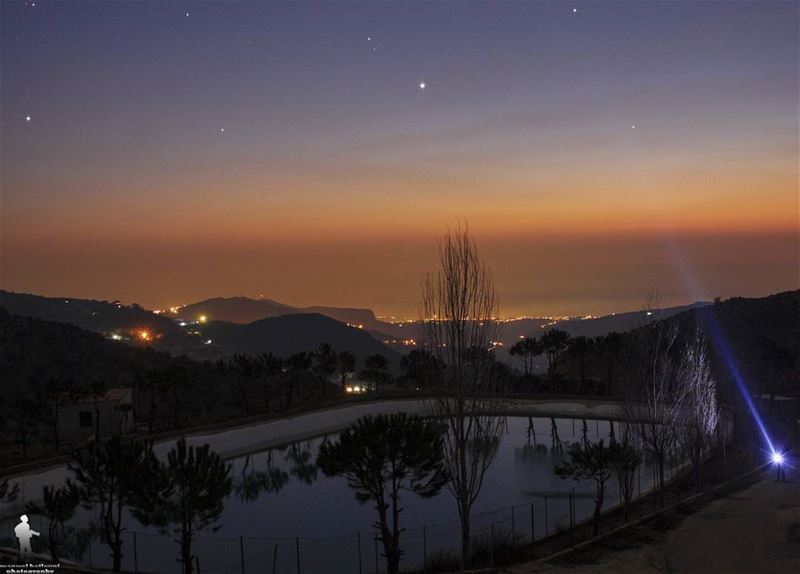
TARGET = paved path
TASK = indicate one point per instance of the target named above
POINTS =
(754, 531)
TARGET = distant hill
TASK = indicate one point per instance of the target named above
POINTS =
(759, 336)
(235, 309)
(512, 331)
(32, 350)
(294, 332)
(289, 334)
(619, 322)
(246, 310)
(763, 337)
(97, 316)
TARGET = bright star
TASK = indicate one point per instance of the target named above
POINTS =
(422, 85)
(27, 118)
(221, 130)
(369, 38)
(574, 10)
(187, 14)
(633, 127)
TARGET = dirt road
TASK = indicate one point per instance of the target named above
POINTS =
(754, 531)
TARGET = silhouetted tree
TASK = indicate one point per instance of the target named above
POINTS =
(25, 409)
(8, 491)
(375, 371)
(459, 310)
(245, 370)
(58, 506)
(347, 365)
(590, 461)
(626, 460)
(111, 477)
(382, 456)
(421, 368)
(55, 394)
(554, 342)
(579, 348)
(527, 350)
(271, 368)
(189, 496)
(326, 363)
(298, 365)
(610, 347)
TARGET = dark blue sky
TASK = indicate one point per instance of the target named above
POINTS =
(155, 136)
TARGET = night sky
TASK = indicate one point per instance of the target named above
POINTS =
(163, 152)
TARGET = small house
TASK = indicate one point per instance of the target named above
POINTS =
(107, 414)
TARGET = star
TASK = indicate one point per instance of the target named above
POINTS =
(422, 85)
(369, 38)
(221, 130)
(633, 127)
(27, 118)
(187, 14)
(574, 10)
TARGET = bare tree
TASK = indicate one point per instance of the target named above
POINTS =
(459, 308)
(700, 414)
(655, 394)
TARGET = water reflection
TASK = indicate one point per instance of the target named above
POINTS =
(253, 481)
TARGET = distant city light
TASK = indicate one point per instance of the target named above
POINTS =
(203, 318)
(144, 335)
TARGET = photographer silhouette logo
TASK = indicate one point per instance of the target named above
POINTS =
(24, 533)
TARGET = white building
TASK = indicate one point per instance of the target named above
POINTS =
(108, 414)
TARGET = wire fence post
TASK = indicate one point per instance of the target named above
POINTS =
(135, 554)
(358, 538)
(513, 528)
(639, 477)
(424, 549)
(275, 559)
(297, 552)
(546, 517)
(571, 515)
(491, 545)
(241, 551)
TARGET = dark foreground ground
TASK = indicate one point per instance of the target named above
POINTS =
(754, 530)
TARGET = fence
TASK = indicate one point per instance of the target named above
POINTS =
(429, 547)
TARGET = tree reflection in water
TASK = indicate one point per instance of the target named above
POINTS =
(253, 481)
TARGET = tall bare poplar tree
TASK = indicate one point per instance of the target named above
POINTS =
(700, 414)
(459, 310)
(654, 393)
